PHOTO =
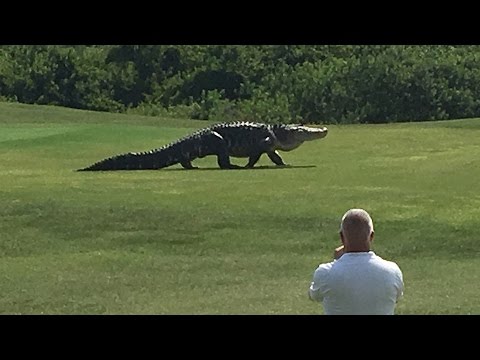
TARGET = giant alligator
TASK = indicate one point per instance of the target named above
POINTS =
(237, 139)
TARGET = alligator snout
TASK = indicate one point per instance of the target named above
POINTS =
(322, 132)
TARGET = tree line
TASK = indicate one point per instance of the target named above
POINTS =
(268, 83)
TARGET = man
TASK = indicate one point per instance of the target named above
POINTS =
(357, 281)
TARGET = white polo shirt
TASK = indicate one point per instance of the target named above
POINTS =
(358, 283)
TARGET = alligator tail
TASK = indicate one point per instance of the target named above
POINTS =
(149, 160)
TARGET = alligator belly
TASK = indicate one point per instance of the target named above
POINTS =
(239, 152)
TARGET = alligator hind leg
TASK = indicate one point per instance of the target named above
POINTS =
(276, 158)
(221, 150)
(223, 160)
(187, 164)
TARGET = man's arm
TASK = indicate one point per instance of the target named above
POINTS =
(314, 292)
(400, 285)
(318, 286)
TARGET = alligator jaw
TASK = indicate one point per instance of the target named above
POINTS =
(313, 133)
(290, 137)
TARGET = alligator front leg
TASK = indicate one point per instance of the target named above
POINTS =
(276, 158)
(264, 146)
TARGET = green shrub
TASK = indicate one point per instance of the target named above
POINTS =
(269, 83)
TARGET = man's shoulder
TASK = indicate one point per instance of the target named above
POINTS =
(324, 267)
(388, 263)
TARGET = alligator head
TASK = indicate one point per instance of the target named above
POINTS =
(291, 136)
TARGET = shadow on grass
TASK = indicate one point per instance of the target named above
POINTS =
(264, 167)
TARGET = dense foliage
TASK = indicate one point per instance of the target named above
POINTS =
(288, 83)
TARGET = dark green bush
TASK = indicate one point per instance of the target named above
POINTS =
(270, 83)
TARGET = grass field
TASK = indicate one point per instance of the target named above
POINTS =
(227, 242)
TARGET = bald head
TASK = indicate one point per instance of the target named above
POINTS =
(356, 229)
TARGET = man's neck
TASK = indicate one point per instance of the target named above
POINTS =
(356, 250)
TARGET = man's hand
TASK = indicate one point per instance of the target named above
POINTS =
(338, 252)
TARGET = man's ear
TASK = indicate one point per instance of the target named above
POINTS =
(342, 238)
(372, 236)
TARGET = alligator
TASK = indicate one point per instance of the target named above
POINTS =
(238, 139)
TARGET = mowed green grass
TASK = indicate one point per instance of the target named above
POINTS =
(227, 241)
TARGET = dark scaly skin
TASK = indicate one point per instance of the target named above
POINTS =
(238, 139)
